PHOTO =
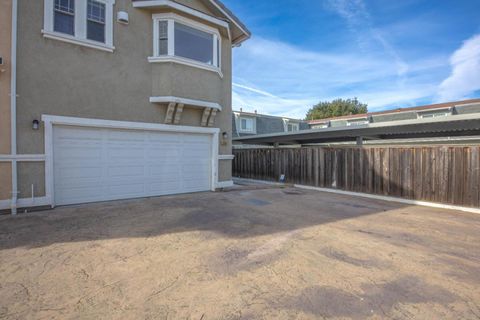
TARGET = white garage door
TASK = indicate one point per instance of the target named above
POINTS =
(96, 164)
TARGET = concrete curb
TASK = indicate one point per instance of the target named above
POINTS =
(391, 199)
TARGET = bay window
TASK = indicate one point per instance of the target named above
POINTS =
(181, 40)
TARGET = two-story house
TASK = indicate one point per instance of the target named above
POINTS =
(114, 99)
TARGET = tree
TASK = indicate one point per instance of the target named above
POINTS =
(336, 108)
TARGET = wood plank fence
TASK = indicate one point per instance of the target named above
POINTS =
(443, 174)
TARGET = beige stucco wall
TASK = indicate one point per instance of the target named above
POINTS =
(5, 78)
(59, 78)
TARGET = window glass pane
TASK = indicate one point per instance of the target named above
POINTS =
(64, 16)
(67, 6)
(193, 44)
(96, 11)
(96, 21)
(64, 23)
(95, 31)
(244, 124)
(163, 38)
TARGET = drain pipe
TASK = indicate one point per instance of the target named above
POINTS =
(13, 107)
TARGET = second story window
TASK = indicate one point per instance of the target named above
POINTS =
(87, 23)
(182, 40)
(96, 21)
(64, 16)
(193, 44)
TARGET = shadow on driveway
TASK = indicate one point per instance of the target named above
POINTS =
(238, 214)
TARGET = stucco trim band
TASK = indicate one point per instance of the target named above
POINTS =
(187, 62)
(22, 157)
(185, 101)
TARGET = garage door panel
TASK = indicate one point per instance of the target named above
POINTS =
(167, 172)
(125, 171)
(67, 172)
(125, 152)
(79, 194)
(127, 189)
(159, 152)
(92, 164)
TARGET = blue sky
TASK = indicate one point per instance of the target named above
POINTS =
(386, 53)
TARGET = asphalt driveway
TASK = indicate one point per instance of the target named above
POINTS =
(272, 253)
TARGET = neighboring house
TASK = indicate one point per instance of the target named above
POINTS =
(114, 99)
(422, 112)
(446, 123)
(247, 123)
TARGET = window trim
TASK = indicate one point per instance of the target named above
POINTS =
(254, 125)
(357, 122)
(293, 124)
(287, 122)
(171, 18)
(80, 20)
(437, 112)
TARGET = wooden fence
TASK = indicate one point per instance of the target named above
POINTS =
(443, 174)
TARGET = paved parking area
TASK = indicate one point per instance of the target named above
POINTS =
(272, 253)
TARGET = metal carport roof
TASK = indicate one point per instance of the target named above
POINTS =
(457, 125)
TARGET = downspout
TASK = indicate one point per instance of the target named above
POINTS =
(13, 108)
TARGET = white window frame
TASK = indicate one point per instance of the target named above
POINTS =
(296, 127)
(171, 18)
(320, 126)
(287, 122)
(431, 115)
(80, 37)
(254, 125)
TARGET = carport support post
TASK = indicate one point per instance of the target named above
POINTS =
(359, 141)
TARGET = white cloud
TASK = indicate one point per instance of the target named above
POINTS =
(465, 76)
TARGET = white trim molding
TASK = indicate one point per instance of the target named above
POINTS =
(247, 118)
(80, 25)
(185, 101)
(51, 120)
(239, 26)
(179, 7)
(101, 123)
(84, 42)
(224, 184)
(226, 157)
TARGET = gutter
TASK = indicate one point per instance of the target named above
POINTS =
(13, 107)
